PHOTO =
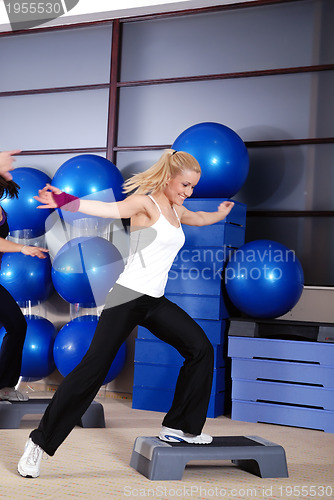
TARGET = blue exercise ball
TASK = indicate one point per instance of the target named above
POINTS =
(222, 155)
(264, 279)
(85, 269)
(89, 176)
(72, 343)
(37, 354)
(22, 211)
(26, 278)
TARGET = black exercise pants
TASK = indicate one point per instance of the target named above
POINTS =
(124, 310)
(15, 324)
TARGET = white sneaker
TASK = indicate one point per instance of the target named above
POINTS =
(29, 464)
(11, 394)
(177, 436)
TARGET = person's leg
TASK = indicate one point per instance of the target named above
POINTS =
(78, 389)
(171, 324)
(15, 325)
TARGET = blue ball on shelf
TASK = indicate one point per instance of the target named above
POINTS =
(89, 176)
(222, 155)
(73, 341)
(264, 279)
(26, 278)
(85, 269)
(22, 212)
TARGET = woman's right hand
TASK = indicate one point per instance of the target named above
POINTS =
(6, 163)
(45, 196)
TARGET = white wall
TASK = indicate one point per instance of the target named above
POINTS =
(54, 120)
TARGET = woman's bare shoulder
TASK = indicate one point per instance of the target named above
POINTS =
(140, 202)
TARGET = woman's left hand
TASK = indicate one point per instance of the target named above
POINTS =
(34, 251)
(225, 207)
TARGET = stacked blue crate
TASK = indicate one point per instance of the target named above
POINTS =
(157, 366)
(195, 285)
(283, 382)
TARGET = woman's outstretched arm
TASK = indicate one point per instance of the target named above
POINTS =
(206, 218)
(124, 209)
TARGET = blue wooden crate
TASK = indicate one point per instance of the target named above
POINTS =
(144, 398)
(157, 352)
(201, 306)
(248, 411)
(295, 394)
(216, 405)
(214, 330)
(281, 381)
(236, 216)
(165, 376)
(287, 350)
(215, 235)
(264, 369)
(194, 282)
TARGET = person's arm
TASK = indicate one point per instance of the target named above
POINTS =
(7, 246)
(6, 163)
(206, 218)
(124, 209)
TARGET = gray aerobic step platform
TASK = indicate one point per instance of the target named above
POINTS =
(11, 413)
(159, 460)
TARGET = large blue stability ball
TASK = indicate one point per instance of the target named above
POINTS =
(22, 211)
(222, 155)
(37, 355)
(85, 269)
(26, 278)
(89, 176)
(73, 341)
(264, 279)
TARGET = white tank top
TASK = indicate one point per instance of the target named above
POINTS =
(152, 252)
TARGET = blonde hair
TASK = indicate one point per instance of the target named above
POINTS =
(170, 164)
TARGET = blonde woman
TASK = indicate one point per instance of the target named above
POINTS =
(156, 211)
